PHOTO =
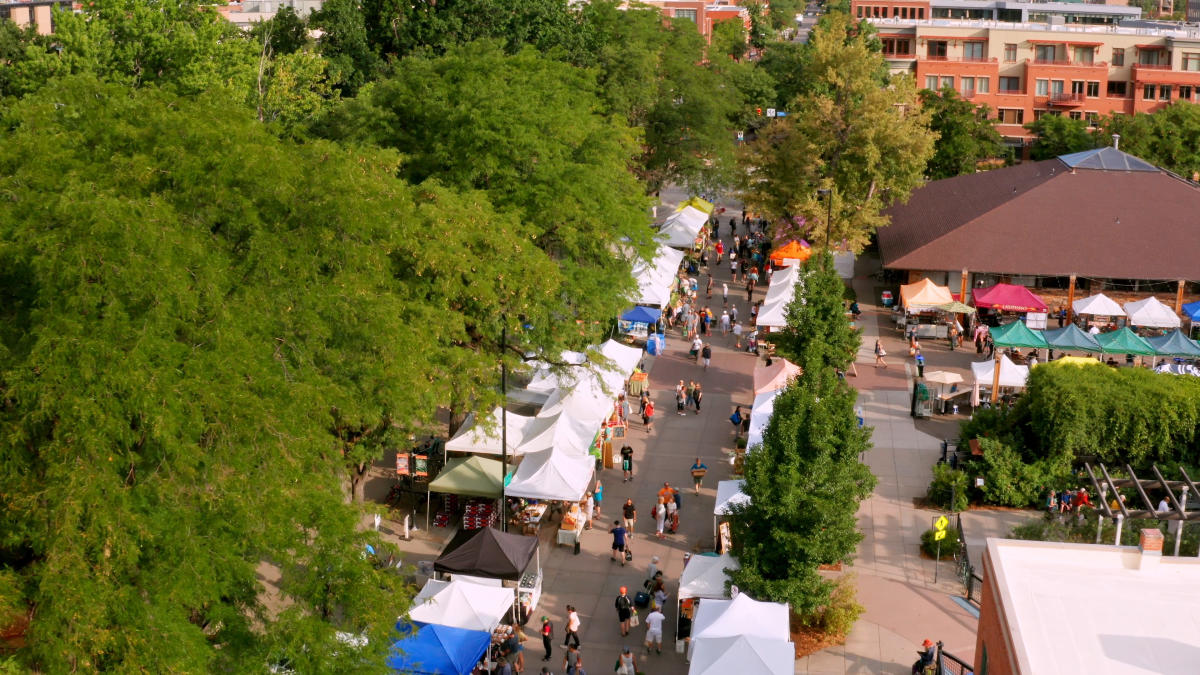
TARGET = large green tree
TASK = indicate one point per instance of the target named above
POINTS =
(817, 334)
(190, 307)
(1169, 138)
(1058, 135)
(966, 134)
(864, 139)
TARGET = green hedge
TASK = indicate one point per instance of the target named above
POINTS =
(949, 544)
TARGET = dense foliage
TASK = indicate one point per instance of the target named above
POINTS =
(1055, 135)
(966, 134)
(1169, 138)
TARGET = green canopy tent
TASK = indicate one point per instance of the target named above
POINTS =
(1015, 334)
(1174, 343)
(1125, 341)
(1072, 339)
(472, 476)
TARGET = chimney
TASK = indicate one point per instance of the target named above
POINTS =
(1150, 544)
(1116, 141)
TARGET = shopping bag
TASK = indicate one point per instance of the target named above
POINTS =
(633, 619)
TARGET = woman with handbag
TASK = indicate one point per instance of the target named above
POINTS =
(626, 663)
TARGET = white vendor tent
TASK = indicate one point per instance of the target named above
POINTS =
(775, 376)
(773, 312)
(462, 604)
(744, 655)
(1011, 375)
(1151, 313)
(546, 379)
(730, 494)
(705, 576)
(623, 360)
(559, 431)
(656, 279)
(1098, 304)
(681, 227)
(760, 415)
(552, 474)
(473, 437)
(587, 402)
(740, 616)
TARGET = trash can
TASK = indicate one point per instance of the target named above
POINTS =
(655, 344)
(886, 298)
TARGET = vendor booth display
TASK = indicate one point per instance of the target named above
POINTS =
(924, 295)
(461, 604)
(1098, 305)
(656, 279)
(730, 494)
(1011, 375)
(744, 655)
(682, 228)
(1072, 339)
(552, 474)
(1151, 313)
(483, 439)
(1007, 298)
(1124, 341)
(943, 379)
(1175, 344)
(773, 313)
(469, 477)
(432, 649)
(792, 253)
(637, 321)
(492, 554)
(775, 376)
(571, 527)
(704, 576)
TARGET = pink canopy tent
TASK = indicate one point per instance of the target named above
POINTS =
(1007, 298)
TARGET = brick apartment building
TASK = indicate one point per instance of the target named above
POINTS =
(704, 14)
(35, 13)
(1025, 60)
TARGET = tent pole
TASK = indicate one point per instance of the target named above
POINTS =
(428, 506)
(1071, 301)
(996, 377)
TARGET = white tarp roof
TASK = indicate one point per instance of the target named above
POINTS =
(587, 402)
(623, 360)
(744, 655)
(472, 437)
(558, 431)
(729, 493)
(705, 576)
(1099, 304)
(681, 227)
(656, 279)
(1151, 313)
(760, 415)
(1011, 375)
(742, 615)
(545, 379)
(773, 312)
(552, 474)
(462, 604)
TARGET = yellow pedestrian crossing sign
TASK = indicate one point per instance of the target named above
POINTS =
(941, 523)
(939, 535)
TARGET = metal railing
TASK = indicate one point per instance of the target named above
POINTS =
(1066, 98)
(949, 664)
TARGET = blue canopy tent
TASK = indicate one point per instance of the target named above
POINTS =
(433, 649)
(642, 314)
(1174, 343)
(1192, 311)
(1072, 339)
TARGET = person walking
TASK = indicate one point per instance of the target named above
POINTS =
(599, 496)
(725, 294)
(547, 637)
(736, 420)
(706, 355)
(879, 354)
(699, 469)
(654, 630)
(737, 336)
(673, 515)
(733, 314)
(691, 394)
(660, 518)
(680, 400)
(572, 626)
(648, 416)
(720, 250)
(589, 508)
(708, 291)
(629, 513)
(624, 610)
(626, 463)
(573, 661)
(697, 395)
(618, 544)
(642, 401)
(627, 663)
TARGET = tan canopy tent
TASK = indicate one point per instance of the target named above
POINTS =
(924, 295)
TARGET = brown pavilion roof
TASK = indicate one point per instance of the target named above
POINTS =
(1052, 218)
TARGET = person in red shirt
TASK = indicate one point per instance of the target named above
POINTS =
(648, 416)
(1081, 500)
(720, 251)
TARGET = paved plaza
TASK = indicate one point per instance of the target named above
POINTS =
(904, 604)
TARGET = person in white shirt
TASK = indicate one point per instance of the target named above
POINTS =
(654, 629)
(724, 323)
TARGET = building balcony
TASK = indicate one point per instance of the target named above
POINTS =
(1066, 63)
(1066, 99)
(1155, 74)
(957, 59)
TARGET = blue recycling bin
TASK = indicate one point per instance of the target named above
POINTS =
(655, 344)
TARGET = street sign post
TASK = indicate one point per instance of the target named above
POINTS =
(939, 526)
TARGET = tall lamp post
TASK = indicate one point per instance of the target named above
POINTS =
(827, 195)
(503, 426)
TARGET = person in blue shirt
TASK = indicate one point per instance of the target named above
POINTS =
(618, 545)
(698, 471)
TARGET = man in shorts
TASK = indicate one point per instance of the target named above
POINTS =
(618, 545)
(626, 463)
(629, 511)
(654, 629)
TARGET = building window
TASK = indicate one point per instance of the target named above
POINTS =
(1092, 118)
(1148, 57)
(1191, 61)
(947, 82)
(972, 51)
(1056, 87)
(982, 85)
(931, 82)
(1010, 53)
(1076, 115)
(1042, 88)
(1185, 92)
(1083, 55)
(1010, 85)
(1164, 92)
(1037, 114)
(1011, 116)
(1077, 87)
(936, 49)
(1118, 57)
(689, 14)
(1043, 53)
(1148, 92)
(858, 11)
(1093, 89)
(921, 13)
(968, 87)
(1118, 89)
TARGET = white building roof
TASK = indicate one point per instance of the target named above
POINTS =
(1083, 608)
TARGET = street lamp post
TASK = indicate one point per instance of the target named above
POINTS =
(827, 195)
(503, 426)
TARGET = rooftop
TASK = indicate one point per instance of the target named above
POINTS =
(1182, 32)
(1083, 608)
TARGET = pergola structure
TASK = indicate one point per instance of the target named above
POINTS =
(1178, 510)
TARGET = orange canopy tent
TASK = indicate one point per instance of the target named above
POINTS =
(791, 250)
(775, 376)
(924, 295)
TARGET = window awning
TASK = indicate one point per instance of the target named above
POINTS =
(1148, 48)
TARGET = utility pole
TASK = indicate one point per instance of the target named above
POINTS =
(503, 425)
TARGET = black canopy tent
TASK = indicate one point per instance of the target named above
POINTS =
(487, 553)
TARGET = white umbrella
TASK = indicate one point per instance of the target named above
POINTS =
(943, 377)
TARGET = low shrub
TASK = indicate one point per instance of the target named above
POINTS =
(949, 544)
(948, 483)
(843, 610)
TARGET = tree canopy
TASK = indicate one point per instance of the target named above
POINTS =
(1169, 138)
(1057, 135)
(966, 134)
